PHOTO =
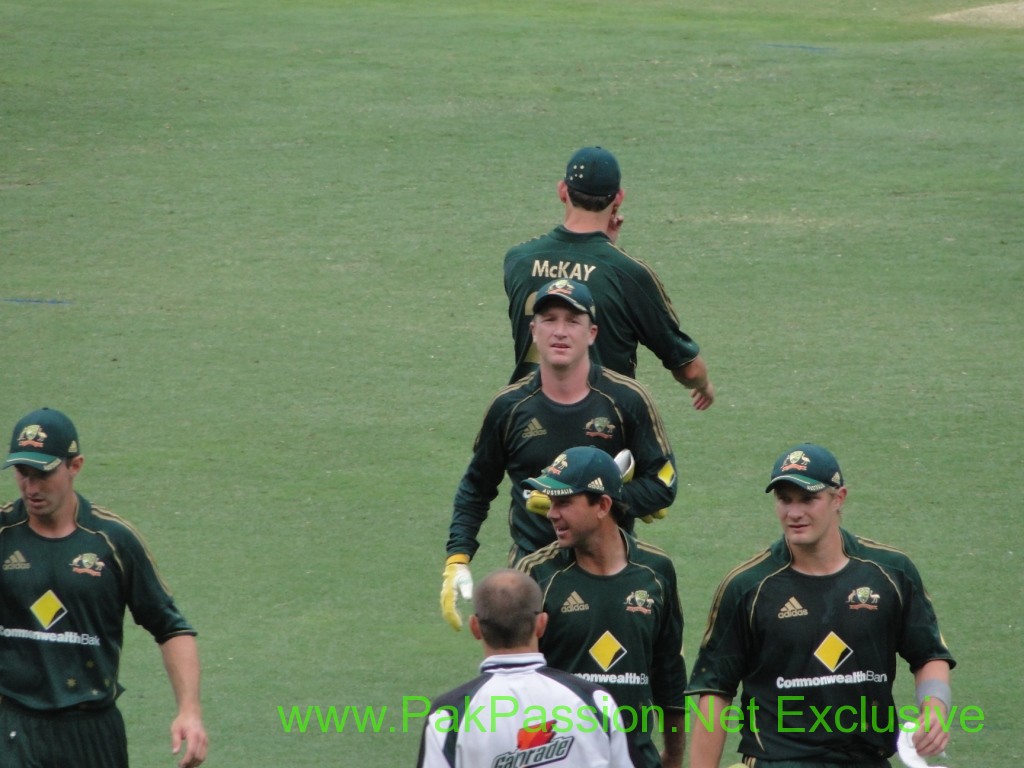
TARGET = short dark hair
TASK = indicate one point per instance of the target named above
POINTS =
(587, 202)
(507, 603)
(620, 509)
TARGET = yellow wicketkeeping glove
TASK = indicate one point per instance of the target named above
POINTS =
(627, 466)
(458, 582)
(537, 502)
(624, 460)
(659, 515)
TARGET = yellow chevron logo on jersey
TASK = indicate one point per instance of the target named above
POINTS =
(574, 603)
(667, 474)
(792, 609)
(607, 651)
(16, 562)
(48, 609)
(534, 429)
(833, 651)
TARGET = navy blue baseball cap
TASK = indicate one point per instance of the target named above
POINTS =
(576, 295)
(43, 439)
(809, 466)
(593, 171)
(585, 469)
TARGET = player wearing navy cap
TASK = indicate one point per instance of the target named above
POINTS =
(568, 401)
(612, 601)
(811, 628)
(635, 308)
(69, 571)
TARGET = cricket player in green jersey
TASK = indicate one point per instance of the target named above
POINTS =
(811, 628)
(568, 401)
(612, 601)
(635, 308)
(69, 571)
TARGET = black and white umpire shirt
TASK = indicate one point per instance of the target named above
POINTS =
(520, 712)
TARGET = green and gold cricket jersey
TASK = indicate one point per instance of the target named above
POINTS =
(623, 632)
(523, 431)
(62, 604)
(816, 655)
(632, 305)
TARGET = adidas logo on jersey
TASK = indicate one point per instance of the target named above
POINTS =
(16, 562)
(792, 609)
(574, 603)
(534, 429)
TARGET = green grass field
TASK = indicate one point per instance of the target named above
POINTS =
(254, 248)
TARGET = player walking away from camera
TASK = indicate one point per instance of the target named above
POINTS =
(635, 308)
(613, 602)
(568, 401)
(70, 569)
(519, 711)
(813, 624)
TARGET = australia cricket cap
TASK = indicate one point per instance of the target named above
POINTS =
(576, 295)
(810, 466)
(593, 171)
(43, 439)
(580, 470)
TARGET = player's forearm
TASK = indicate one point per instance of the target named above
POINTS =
(673, 737)
(469, 512)
(646, 495)
(708, 742)
(181, 660)
(693, 375)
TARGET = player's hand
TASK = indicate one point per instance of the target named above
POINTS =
(188, 730)
(458, 582)
(703, 397)
(930, 738)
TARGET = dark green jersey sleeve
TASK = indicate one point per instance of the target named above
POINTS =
(479, 484)
(654, 486)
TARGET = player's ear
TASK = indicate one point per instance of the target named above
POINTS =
(75, 464)
(474, 627)
(593, 334)
(839, 496)
(563, 191)
(541, 624)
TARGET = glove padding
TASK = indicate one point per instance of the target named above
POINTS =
(458, 582)
(627, 465)
(659, 515)
(537, 502)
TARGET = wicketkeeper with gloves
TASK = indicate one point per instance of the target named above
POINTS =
(567, 401)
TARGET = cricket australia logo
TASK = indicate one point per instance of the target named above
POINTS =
(88, 563)
(639, 601)
(863, 598)
(32, 436)
(600, 427)
(536, 745)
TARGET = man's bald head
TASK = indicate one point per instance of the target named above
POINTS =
(506, 604)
